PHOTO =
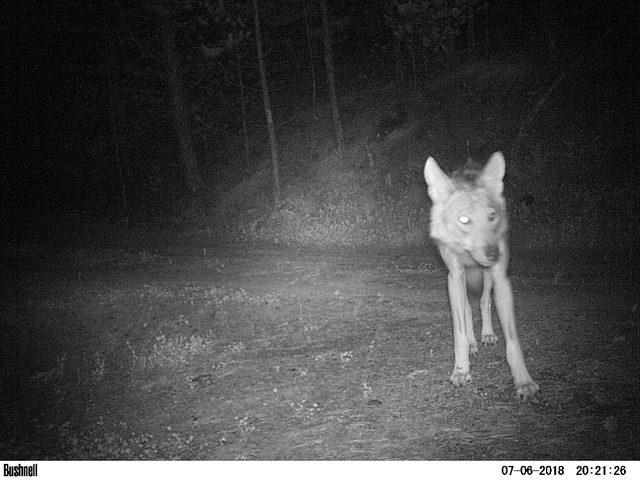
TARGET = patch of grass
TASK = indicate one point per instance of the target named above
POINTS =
(353, 211)
(342, 208)
(171, 352)
(103, 442)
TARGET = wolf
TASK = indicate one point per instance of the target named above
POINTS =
(469, 225)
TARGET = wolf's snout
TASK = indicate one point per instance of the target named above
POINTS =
(492, 253)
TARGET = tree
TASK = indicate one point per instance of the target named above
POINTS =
(426, 26)
(115, 116)
(168, 27)
(266, 102)
(331, 78)
(306, 7)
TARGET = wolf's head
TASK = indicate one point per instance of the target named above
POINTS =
(468, 213)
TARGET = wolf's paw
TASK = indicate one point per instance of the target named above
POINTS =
(528, 390)
(473, 348)
(458, 379)
(489, 340)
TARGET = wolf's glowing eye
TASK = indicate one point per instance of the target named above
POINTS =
(463, 219)
(492, 215)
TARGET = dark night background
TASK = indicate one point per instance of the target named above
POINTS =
(76, 67)
(136, 133)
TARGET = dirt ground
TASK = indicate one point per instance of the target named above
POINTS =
(245, 352)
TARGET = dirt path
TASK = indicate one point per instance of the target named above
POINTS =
(250, 353)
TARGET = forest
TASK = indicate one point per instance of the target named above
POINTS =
(313, 128)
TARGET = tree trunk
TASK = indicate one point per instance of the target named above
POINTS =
(266, 101)
(312, 63)
(397, 60)
(116, 130)
(331, 78)
(414, 73)
(115, 115)
(471, 33)
(243, 109)
(190, 169)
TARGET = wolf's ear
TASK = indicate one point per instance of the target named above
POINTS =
(493, 173)
(440, 186)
